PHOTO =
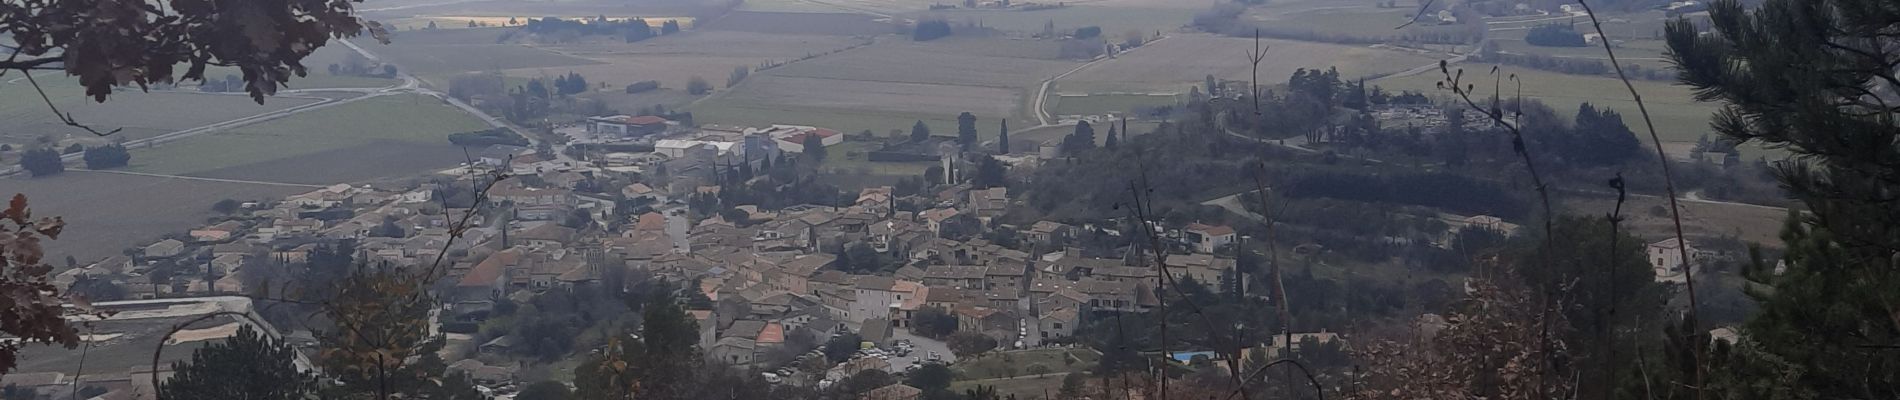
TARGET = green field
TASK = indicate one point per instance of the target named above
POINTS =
(1095, 104)
(389, 120)
(24, 117)
(840, 158)
(1679, 118)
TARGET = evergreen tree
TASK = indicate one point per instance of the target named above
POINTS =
(1829, 326)
(919, 132)
(638, 30)
(1082, 139)
(990, 173)
(670, 27)
(1002, 138)
(1213, 89)
(814, 148)
(42, 162)
(245, 366)
(1110, 141)
(966, 130)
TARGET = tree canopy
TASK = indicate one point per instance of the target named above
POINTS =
(144, 44)
(245, 366)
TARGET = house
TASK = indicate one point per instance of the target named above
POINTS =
(934, 218)
(982, 319)
(165, 248)
(1666, 257)
(1059, 323)
(641, 192)
(1204, 268)
(734, 350)
(792, 138)
(874, 198)
(896, 391)
(486, 281)
(627, 126)
(1207, 238)
(531, 203)
(1485, 222)
(1048, 232)
(989, 203)
(547, 235)
(957, 276)
(873, 299)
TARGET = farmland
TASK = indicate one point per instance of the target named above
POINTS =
(138, 114)
(926, 62)
(674, 59)
(1173, 63)
(801, 23)
(882, 96)
(1114, 21)
(107, 212)
(362, 140)
(1679, 118)
(464, 50)
(890, 85)
(1095, 104)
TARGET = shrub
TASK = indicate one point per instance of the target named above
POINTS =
(643, 86)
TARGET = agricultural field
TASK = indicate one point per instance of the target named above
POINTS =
(1102, 103)
(24, 118)
(1749, 223)
(675, 59)
(925, 62)
(107, 212)
(1171, 64)
(371, 138)
(447, 51)
(1679, 118)
(1114, 21)
(878, 96)
(851, 157)
(830, 22)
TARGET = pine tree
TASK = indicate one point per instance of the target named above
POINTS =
(1002, 139)
(919, 132)
(814, 147)
(966, 130)
(1806, 70)
(1082, 139)
(1110, 141)
(246, 366)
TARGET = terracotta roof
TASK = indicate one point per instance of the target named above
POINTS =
(651, 221)
(490, 269)
(772, 333)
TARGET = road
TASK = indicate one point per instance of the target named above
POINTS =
(194, 178)
(1042, 92)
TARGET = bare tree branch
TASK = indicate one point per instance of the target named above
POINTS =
(1669, 184)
